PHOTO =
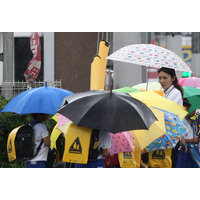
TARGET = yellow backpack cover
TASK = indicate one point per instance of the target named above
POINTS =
(77, 143)
(160, 159)
(130, 159)
(11, 144)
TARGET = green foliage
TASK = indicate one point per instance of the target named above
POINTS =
(9, 121)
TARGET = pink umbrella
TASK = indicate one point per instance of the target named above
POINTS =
(121, 142)
(190, 81)
(62, 120)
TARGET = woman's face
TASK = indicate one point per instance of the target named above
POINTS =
(165, 80)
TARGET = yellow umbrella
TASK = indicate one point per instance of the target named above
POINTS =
(143, 138)
(55, 133)
(63, 128)
(54, 136)
(160, 92)
(150, 98)
(55, 117)
(57, 130)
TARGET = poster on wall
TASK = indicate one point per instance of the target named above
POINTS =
(34, 66)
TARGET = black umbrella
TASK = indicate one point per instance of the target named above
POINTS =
(112, 112)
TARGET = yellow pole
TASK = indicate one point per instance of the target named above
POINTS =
(104, 47)
(94, 73)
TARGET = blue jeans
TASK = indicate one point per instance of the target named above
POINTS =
(184, 160)
(92, 164)
(36, 164)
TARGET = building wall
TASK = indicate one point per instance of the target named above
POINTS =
(126, 74)
(49, 45)
(73, 55)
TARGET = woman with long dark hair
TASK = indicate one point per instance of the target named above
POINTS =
(169, 82)
(174, 92)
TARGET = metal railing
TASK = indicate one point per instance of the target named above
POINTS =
(11, 89)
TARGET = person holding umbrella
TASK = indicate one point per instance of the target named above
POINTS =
(41, 138)
(184, 159)
(174, 92)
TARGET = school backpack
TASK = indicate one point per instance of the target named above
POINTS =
(94, 150)
(160, 159)
(20, 144)
(81, 145)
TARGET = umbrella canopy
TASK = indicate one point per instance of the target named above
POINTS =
(160, 92)
(149, 55)
(121, 142)
(156, 138)
(155, 86)
(143, 138)
(175, 131)
(152, 99)
(190, 81)
(151, 86)
(103, 110)
(62, 120)
(61, 127)
(127, 90)
(37, 100)
(193, 96)
(54, 136)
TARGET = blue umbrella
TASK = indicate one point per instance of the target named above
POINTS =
(175, 131)
(37, 100)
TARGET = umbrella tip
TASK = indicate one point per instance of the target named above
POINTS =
(45, 83)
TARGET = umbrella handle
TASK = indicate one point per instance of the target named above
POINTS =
(111, 87)
(148, 69)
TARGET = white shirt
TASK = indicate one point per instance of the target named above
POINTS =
(174, 95)
(190, 130)
(104, 141)
(40, 132)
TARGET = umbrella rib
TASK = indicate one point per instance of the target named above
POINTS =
(28, 95)
(141, 103)
(89, 108)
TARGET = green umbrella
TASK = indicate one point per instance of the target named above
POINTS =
(127, 90)
(193, 96)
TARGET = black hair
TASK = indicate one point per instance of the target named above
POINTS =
(172, 73)
(34, 116)
(186, 104)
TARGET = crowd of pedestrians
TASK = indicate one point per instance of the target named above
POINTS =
(179, 156)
